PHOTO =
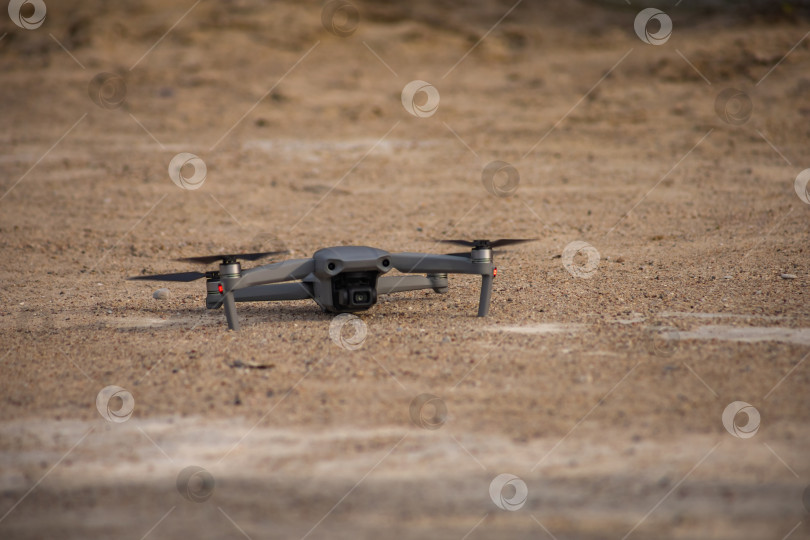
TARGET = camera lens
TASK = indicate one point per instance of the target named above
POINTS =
(360, 298)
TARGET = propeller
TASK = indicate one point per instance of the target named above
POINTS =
(185, 277)
(487, 244)
(467, 253)
(208, 259)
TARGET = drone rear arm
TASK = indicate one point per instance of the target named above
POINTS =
(394, 284)
(274, 292)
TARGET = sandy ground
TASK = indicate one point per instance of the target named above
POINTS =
(603, 394)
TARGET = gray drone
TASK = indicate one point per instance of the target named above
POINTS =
(341, 279)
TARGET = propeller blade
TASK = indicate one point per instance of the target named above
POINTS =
(183, 277)
(467, 253)
(490, 244)
(511, 241)
(465, 243)
(208, 259)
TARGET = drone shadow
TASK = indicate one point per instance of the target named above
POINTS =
(154, 318)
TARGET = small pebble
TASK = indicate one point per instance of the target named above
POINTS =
(161, 294)
(788, 276)
(726, 277)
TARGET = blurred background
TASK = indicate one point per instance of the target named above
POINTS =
(668, 142)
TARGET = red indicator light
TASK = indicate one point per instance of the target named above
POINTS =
(494, 272)
(221, 290)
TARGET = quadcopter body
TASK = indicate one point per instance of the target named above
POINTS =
(341, 279)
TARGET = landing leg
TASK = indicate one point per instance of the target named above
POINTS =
(230, 312)
(486, 294)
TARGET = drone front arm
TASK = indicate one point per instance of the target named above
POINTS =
(422, 263)
(261, 275)
(449, 264)
(291, 270)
